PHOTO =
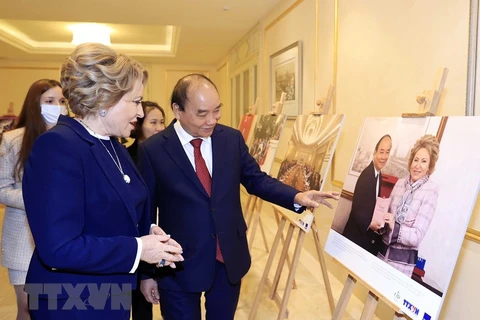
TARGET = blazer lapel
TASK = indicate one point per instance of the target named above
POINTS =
(218, 156)
(174, 149)
(114, 177)
(380, 184)
(105, 162)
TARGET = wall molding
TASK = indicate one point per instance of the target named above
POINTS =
(282, 15)
(28, 68)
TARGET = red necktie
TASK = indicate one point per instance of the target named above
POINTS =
(204, 177)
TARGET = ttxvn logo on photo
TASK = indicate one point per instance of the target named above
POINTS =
(411, 307)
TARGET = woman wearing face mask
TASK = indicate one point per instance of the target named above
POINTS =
(43, 105)
(153, 122)
(412, 206)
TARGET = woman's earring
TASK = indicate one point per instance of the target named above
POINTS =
(103, 113)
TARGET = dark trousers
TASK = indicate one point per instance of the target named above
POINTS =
(141, 308)
(220, 300)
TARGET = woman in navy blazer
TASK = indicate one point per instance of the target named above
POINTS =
(85, 201)
(43, 105)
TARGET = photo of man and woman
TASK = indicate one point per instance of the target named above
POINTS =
(395, 212)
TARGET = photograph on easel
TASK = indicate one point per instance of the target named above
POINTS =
(266, 135)
(310, 151)
(396, 226)
(245, 126)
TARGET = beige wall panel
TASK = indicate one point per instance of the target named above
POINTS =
(222, 81)
(388, 53)
(290, 22)
(162, 80)
(16, 80)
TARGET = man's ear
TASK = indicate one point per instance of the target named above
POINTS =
(176, 110)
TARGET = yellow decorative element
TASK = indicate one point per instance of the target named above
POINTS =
(473, 235)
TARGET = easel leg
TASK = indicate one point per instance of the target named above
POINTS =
(281, 262)
(250, 209)
(263, 234)
(256, 221)
(262, 283)
(344, 298)
(247, 206)
(289, 263)
(370, 306)
(291, 275)
(323, 266)
(254, 224)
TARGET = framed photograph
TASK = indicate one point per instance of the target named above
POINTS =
(286, 76)
(410, 262)
(310, 151)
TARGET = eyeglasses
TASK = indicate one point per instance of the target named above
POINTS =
(137, 102)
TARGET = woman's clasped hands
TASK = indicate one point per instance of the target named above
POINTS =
(160, 249)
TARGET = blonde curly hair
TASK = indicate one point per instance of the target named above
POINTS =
(431, 144)
(95, 77)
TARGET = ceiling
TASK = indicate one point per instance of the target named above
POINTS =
(173, 32)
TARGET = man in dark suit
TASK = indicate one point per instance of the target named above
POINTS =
(359, 227)
(193, 170)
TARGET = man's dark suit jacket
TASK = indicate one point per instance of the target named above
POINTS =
(364, 199)
(194, 219)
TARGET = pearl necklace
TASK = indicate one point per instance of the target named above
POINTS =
(126, 178)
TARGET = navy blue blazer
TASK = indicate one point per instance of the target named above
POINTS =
(192, 217)
(81, 213)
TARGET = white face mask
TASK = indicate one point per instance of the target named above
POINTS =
(51, 112)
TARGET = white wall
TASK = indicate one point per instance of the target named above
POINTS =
(15, 80)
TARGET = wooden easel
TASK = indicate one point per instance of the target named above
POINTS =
(325, 103)
(428, 105)
(429, 100)
(254, 204)
(370, 304)
(303, 228)
(281, 302)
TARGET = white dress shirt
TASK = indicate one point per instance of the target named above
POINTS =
(205, 147)
(378, 180)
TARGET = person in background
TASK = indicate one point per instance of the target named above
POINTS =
(359, 228)
(193, 170)
(153, 122)
(85, 200)
(412, 206)
(40, 111)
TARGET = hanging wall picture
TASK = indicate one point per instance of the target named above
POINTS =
(286, 76)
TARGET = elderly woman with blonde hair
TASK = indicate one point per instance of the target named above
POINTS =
(412, 206)
(86, 204)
